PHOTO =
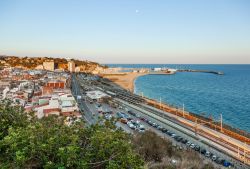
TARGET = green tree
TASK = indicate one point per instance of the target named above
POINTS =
(11, 116)
(49, 143)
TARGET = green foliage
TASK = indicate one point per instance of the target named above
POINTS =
(27, 142)
(11, 116)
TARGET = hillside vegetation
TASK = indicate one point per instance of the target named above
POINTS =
(33, 62)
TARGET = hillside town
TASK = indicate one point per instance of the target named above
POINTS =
(45, 90)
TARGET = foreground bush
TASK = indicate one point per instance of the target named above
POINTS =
(152, 147)
(27, 142)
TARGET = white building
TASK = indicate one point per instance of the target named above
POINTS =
(49, 65)
(96, 95)
(71, 66)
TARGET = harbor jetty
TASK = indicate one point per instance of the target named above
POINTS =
(202, 71)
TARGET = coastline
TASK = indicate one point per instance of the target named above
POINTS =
(124, 80)
(127, 81)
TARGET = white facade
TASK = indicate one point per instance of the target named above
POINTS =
(49, 65)
(71, 66)
(96, 95)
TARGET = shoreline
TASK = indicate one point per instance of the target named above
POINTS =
(124, 80)
(127, 81)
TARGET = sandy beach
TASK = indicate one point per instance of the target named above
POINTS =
(125, 80)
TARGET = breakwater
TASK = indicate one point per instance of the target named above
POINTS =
(201, 71)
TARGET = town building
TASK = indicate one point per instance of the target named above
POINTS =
(96, 95)
(49, 65)
(71, 66)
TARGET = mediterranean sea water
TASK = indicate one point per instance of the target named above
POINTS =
(201, 93)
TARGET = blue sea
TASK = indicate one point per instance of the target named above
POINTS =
(201, 93)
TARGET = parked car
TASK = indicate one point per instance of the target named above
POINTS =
(159, 127)
(179, 139)
(173, 135)
(207, 154)
(123, 120)
(226, 163)
(141, 128)
(197, 148)
(120, 115)
(203, 151)
(154, 124)
(131, 125)
(188, 143)
(131, 112)
(169, 133)
(214, 157)
(164, 130)
(192, 146)
(150, 122)
(184, 141)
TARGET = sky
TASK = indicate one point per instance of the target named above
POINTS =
(128, 31)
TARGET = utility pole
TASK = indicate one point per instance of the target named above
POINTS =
(221, 127)
(183, 110)
(238, 151)
(196, 126)
(160, 102)
(245, 152)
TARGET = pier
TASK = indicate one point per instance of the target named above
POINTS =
(202, 71)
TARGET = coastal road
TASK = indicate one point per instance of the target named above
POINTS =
(183, 131)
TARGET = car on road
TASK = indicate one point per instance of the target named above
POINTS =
(207, 154)
(150, 122)
(184, 141)
(197, 148)
(131, 125)
(203, 151)
(178, 138)
(140, 128)
(131, 112)
(123, 120)
(192, 146)
(169, 133)
(188, 143)
(164, 130)
(159, 127)
(214, 157)
(173, 135)
(226, 163)
(120, 115)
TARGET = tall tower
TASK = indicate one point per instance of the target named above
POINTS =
(71, 66)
